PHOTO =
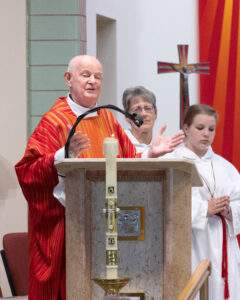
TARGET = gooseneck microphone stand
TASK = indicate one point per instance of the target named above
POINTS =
(137, 119)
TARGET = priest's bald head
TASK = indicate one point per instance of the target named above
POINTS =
(84, 79)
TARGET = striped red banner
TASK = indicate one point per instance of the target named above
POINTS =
(219, 43)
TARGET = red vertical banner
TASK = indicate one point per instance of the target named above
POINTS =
(219, 44)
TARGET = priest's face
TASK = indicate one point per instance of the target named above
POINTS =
(146, 110)
(84, 79)
(200, 134)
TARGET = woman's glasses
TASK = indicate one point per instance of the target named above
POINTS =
(147, 108)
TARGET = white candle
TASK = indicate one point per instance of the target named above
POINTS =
(111, 151)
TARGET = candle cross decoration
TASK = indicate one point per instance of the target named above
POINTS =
(112, 283)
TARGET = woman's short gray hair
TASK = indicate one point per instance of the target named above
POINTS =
(130, 93)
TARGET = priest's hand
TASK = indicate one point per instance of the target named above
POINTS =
(165, 144)
(78, 143)
(218, 205)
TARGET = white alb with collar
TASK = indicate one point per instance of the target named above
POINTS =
(207, 231)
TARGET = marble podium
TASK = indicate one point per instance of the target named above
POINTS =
(160, 263)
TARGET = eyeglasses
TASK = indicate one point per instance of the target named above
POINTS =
(147, 108)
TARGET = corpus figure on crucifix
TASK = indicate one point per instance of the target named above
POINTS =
(184, 69)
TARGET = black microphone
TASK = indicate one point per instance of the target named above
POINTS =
(137, 119)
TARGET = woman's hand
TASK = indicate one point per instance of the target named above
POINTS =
(162, 144)
(218, 205)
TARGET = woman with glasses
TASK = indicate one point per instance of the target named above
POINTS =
(143, 102)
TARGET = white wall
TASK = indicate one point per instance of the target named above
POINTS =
(148, 31)
(13, 120)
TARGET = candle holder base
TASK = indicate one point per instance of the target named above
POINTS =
(111, 286)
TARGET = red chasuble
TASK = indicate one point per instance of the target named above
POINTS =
(38, 177)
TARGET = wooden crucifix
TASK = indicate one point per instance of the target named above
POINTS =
(184, 69)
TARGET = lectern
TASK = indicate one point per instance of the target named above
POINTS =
(159, 263)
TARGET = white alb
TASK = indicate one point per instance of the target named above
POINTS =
(207, 233)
